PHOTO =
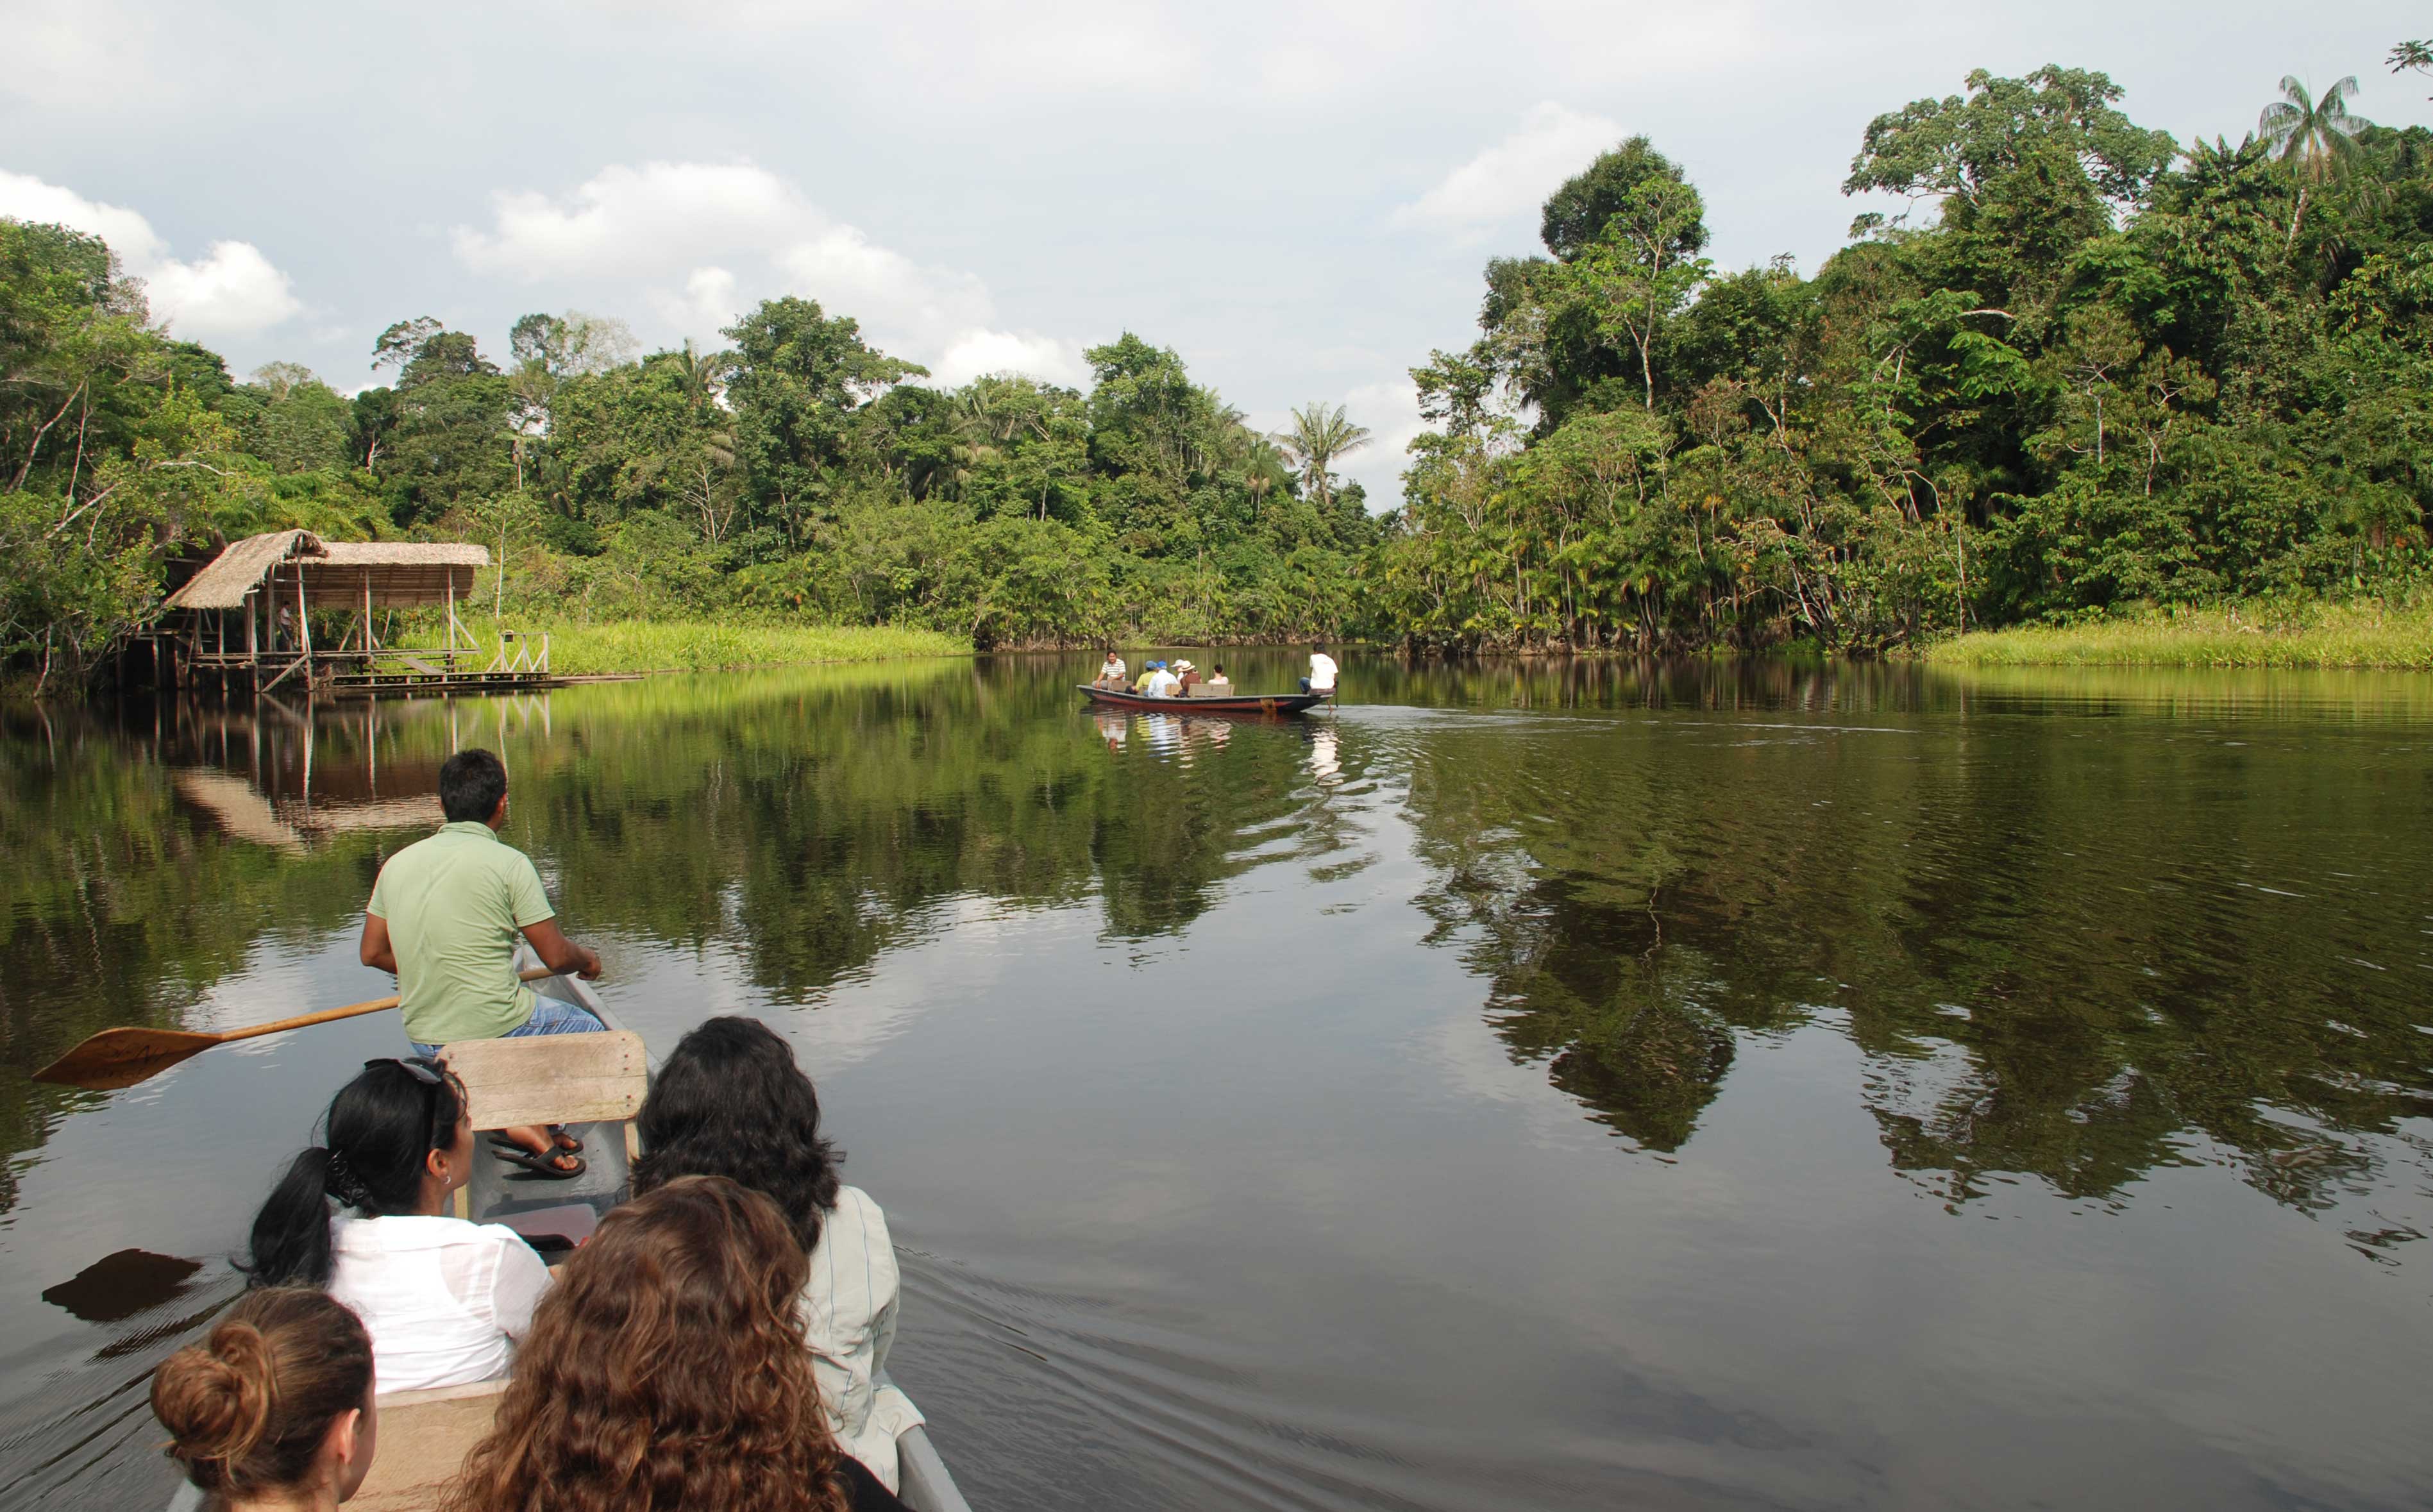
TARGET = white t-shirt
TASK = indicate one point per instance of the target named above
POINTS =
(1111, 669)
(847, 1312)
(1162, 683)
(442, 1299)
(1321, 672)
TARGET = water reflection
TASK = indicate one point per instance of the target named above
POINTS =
(117, 1286)
(2073, 958)
(2076, 935)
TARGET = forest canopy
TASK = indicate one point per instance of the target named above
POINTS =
(2088, 369)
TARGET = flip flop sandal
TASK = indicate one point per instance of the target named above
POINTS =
(542, 1165)
(567, 1143)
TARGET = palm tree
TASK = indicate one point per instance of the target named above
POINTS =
(700, 376)
(1320, 436)
(2316, 138)
(2415, 55)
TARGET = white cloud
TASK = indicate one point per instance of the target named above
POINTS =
(24, 197)
(1516, 173)
(850, 275)
(641, 219)
(978, 353)
(707, 305)
(664, 223)
(233, 291)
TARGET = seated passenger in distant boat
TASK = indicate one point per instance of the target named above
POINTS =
(275, 1408)
(443, 1299)
(664, 1371)
(1162, 683)
(1187, 677)
(1218, 686)
(730, 1101)
(1149, 674)
(1111, 673)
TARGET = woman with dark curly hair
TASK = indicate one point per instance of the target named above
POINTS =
(730, 1101)
(443, 1298)
(664, 1373)
(275, 1408)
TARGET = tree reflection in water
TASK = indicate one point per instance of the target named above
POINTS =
(2073, 948)
(2078, 928)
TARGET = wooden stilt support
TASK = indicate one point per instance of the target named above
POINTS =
(303, 627)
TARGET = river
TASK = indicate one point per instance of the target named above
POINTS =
(1549, 1085)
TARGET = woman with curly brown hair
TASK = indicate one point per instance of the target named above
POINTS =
(275, 1408)
(664, 1373)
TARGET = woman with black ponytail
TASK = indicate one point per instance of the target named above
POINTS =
(364, 1217)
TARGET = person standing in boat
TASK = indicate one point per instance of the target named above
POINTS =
(445, 915)
(1111, 672)
(731, 1102)
(1321, 672)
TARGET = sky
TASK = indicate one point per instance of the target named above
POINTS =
(1298, 198)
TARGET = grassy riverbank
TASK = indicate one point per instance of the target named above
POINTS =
(713, 645)
(2236, 635)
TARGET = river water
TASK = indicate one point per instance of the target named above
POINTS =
(1562, 1086)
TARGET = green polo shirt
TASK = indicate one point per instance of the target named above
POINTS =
(455, 905)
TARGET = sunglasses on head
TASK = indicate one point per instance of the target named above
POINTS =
(431, 1074)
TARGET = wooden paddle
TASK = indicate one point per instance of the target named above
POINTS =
(121, 1058)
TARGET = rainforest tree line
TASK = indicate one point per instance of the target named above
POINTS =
(2094, 368)
(2090, 369)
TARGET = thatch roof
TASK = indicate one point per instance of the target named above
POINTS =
(335, 574)
(229, 577)
(398, 572)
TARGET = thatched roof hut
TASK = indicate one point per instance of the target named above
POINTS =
(335, 574)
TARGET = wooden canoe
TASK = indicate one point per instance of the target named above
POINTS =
(1258, 703)
(425, 1435)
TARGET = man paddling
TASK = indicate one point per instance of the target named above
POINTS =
(445, 915)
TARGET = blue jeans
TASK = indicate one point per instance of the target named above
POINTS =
(550, 1017)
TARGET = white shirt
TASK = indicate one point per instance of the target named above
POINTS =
(1162, 683)
(1321, 672)
(1114, 667)
(442, 1299)
(847, 1311)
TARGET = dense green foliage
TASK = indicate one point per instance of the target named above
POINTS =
(2112, 371)
(800, 474)
(2105, 370)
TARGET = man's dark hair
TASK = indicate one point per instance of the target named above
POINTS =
(470, 785)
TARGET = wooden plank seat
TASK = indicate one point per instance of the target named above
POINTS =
(424, 1436)
(551, 1079)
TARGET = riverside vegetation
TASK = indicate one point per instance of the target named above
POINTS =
(2107, 373)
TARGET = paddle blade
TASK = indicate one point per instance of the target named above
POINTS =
(121, 1058)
